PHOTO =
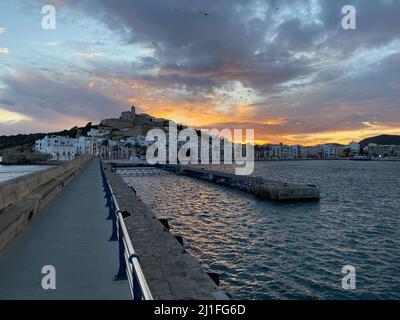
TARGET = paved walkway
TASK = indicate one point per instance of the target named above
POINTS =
(72, 234)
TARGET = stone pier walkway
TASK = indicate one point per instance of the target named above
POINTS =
(72, 234)
(170, 271)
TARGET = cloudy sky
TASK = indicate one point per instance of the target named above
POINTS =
(285, 68)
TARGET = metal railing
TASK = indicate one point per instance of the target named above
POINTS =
(129, 266)
(140, 171)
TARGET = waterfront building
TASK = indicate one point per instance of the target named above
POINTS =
(279, 152)
(60, 148)
(332, 150)
(311, 152)
(66, 148)
(396, 151)
(85, 145)
(294, 152)
(354, 147)
(380, 151)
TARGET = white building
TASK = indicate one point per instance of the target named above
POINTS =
(354, 147)
(331, 150)
(293, 152)
(66, 148)
(60, 148)
(380, 151)
(311, 152)
(85, 145)
(138, 141)
(93, 133)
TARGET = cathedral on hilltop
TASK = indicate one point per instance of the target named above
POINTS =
(131, 115)
(132, 124)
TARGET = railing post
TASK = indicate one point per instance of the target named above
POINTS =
(121, 275)
(114, 218)
(110, 203)
(107, 192)
(137, 293)
(110, 208)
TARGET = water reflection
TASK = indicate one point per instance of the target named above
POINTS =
(265, 250)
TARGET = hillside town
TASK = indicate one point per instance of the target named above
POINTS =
(124, 138)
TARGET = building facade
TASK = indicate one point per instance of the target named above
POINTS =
(66, 148)
(382, 151)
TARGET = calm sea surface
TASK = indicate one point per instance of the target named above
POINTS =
(267, 250)
(11, 172)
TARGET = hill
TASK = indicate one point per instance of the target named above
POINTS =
(26, 141)
(382, 139)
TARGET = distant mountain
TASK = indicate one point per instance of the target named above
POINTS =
(26, 141)
(382, 139)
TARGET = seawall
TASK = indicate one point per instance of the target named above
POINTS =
(21, 198)
(24, 158)
(263, 188)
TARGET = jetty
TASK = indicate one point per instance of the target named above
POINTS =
(263, 188)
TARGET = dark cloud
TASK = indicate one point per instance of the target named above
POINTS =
(7, 102)
(377, 24)
(230, 43)
(41, 96)
(254, 42)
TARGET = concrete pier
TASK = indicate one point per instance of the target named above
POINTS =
(267, 189)
(263, 188)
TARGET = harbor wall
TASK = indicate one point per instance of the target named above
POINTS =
(24, 158)
(263, 188)
(21, 198)
(170, 271)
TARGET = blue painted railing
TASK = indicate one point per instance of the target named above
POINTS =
(129, 266)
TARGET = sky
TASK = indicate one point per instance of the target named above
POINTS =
(285, 68)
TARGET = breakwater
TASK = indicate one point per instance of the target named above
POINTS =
(20, 158)
(21, 198)
(263, 188)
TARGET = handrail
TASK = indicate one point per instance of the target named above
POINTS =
(129, 263)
